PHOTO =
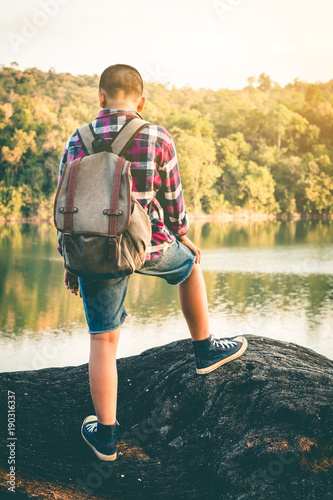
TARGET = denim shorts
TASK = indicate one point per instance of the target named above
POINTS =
(103, 300)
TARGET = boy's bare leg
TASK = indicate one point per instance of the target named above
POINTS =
(103, 376)
(193, 301)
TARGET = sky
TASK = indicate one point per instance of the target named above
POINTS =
(208, 43)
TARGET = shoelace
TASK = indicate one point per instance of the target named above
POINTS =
(223, 342)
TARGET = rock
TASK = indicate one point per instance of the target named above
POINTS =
(259, 427)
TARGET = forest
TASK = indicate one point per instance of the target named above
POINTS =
(264, 148)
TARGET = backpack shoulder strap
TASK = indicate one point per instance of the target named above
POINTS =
(121, 142)
(127, 134)
(86, 138)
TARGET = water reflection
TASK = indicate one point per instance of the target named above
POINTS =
(268, 278)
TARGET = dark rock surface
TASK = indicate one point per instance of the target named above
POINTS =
(259, 427)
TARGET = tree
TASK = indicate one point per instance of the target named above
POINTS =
(288, 173)
(251, 81)
(196, 156)
(283, 124)
(313, 94)
(232, 154)
(318, 188)
(258, 189)
(265, 82)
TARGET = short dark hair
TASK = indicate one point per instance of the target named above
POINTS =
(121, 77)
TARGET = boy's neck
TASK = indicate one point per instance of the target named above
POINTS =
(121, 101)
(121, 105)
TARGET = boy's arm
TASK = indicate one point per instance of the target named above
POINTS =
(172, 193)
(70, 280)
(173, 202)
(63, 162)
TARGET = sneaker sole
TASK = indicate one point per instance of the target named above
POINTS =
(100, 455)
(203, 371)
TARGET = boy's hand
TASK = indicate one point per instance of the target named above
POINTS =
(187, 242)
(71, 282)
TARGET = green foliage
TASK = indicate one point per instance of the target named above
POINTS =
(246, 183)
(258, 188)
(196, 155)
(16, 202)
(263, 148)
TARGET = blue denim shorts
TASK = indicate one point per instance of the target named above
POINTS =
(103, 300)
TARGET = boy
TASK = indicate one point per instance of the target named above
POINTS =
(171, 255)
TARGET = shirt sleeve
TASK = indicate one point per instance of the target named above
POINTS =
(176, 218)
(63, 162)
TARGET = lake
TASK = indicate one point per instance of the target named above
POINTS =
(272, 279)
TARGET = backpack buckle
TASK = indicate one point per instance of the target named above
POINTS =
(113, 246)
(68, 241)
(68, 238)
(112, 237)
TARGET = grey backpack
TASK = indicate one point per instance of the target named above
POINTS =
(102, 230)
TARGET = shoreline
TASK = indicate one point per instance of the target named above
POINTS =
(257, 217)
(241, 216)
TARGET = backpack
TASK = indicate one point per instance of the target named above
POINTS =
(102, 230)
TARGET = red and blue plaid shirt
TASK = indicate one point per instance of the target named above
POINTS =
(155, 175)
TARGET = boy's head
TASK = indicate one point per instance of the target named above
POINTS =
(121, 85)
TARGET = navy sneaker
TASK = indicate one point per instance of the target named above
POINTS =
(101, 438)
(211, 353)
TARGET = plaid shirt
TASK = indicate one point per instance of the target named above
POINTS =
(155, 175)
